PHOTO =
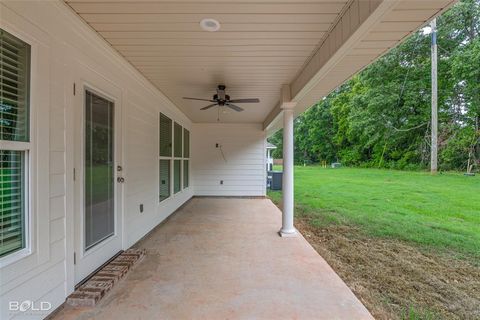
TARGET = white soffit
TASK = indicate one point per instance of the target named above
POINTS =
(260, 46)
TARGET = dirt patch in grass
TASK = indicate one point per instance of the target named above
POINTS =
(396, 280)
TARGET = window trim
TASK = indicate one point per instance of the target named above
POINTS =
(159, 136)
(170, 158)
(169, 178)
(173, 158)
(180, 189)
(28, 147)
(185, 158)
(19, 254)
(183, 176)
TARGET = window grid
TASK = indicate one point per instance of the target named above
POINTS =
(178, 157)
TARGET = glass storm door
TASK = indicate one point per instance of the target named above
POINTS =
(98, 178)
(99, 170)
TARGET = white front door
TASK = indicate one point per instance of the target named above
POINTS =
(98, 172)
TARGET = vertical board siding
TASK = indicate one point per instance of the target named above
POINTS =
(242, 166)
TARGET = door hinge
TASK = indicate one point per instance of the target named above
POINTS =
(74, 258)
(74, 175)
(74, 88)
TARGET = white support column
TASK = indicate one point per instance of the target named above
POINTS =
(288, 230)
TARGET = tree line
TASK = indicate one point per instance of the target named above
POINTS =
(381, 116)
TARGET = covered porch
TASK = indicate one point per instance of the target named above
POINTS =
(126, 78)
(221, 258)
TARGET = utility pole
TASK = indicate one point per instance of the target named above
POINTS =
(434, 144)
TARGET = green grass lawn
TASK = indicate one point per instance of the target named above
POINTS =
(440, 212)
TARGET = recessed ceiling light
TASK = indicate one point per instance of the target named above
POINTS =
(210, 25)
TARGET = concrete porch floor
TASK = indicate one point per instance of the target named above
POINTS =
(220, 258)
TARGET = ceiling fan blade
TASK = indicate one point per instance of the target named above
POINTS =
(234, 107)
(209, 106)
(253, 100)
(187, 98)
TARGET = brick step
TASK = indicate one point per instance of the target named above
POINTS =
(89, 293)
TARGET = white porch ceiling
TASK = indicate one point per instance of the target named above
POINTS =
(261, 45)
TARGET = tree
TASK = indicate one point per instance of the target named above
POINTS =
(381, 116)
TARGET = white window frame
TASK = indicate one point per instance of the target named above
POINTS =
(27, 250)
(169, 182)
(177, 158)
(28, 149)
(173, 158)
(185, 158)
(166, 158)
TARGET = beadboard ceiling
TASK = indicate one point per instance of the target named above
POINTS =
(260, 46)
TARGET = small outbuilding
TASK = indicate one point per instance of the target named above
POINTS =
(269, 148)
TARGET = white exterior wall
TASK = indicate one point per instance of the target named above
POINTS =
(243, 169)
(61, 43)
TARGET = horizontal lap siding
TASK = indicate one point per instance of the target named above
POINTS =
(243, 168)
(61, 45)
(141, 170)
(41, 277)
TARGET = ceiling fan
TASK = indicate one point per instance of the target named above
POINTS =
(221, 99)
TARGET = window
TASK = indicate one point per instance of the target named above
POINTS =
(176, 175)
(177, 139)
(177, 152)
(164, 179)
(165, 136)
(185, 173)
(99, 169)
(165, 155)
(14, 140)
(173, 166)
(186, 143)
(186, 156)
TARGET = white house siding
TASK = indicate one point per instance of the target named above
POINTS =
(60, 43)
(243, 168)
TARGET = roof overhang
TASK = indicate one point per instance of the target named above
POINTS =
(346, 51)
(262, 47)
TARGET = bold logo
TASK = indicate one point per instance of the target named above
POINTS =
(28, 305)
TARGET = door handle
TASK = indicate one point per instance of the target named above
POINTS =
(120, 180)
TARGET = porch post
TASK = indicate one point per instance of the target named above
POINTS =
(288, 229)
